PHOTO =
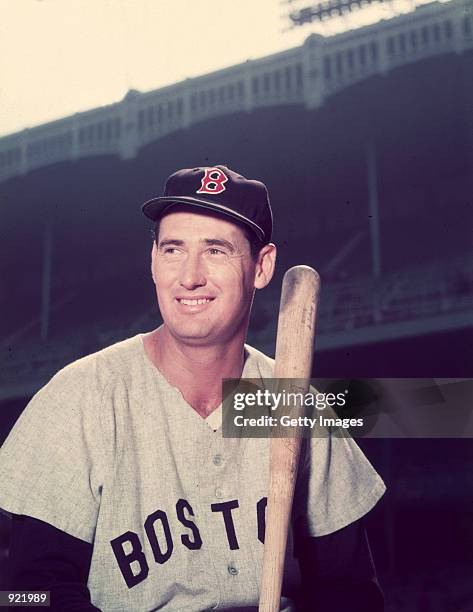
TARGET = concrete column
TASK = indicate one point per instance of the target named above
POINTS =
(129, 128)
(374, 229)
(75, 152)
(383, 61)
(312, 70)
(46, 275)
(373, 209)
(23, 142)
(186, 102)
(248, 89)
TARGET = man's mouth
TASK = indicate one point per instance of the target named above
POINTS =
(194, 301)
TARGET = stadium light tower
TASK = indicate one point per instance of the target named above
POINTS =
(300, 12)
(343, 14)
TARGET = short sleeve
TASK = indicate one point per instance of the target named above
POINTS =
(336, 485)
(51, 464)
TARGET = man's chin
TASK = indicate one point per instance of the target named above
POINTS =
(189, 334)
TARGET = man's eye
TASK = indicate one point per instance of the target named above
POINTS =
(171, 251)
(214, 251)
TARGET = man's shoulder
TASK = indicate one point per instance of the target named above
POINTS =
(98, 369)
(258, 364)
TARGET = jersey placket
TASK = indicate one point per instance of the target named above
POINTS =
(224, 526)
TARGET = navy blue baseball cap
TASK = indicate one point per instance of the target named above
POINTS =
(221, 190)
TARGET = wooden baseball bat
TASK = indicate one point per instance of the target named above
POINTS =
(294, 349)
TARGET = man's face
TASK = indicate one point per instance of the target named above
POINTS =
(205, 277)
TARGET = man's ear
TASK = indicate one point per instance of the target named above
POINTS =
(265, 265)
(154, 261)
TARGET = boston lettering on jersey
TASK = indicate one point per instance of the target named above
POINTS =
(158, 521)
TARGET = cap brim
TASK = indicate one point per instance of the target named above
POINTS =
(156, 207)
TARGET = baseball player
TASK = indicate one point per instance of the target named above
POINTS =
(123, 492)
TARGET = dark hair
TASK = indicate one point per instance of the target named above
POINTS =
(255, 243)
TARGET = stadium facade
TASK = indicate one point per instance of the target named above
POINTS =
(305, 75)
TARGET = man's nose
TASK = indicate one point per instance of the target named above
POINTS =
(192, 273)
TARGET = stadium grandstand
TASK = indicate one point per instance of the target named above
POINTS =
(365, 140)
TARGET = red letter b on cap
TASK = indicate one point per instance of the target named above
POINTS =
(213, 181)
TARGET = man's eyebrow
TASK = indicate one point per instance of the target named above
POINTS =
(220, 242)
(170, 241)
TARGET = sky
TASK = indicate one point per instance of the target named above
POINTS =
(58, 57)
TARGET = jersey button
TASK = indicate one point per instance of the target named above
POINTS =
(232, 570)
(217, 460)
(218, 493)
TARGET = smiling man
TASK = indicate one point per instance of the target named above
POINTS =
(123, 491)
(205, 277)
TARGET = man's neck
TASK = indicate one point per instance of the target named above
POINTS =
(197, 371)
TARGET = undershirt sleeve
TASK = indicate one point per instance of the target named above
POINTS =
(338, 571)
(44, 558)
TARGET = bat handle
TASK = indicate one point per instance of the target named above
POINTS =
(281, 487)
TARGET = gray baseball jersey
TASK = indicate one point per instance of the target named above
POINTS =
(111, 453)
